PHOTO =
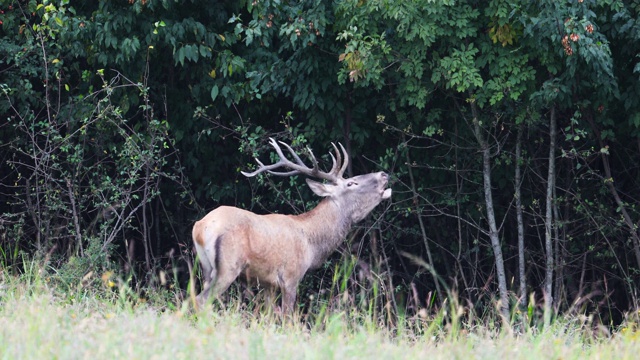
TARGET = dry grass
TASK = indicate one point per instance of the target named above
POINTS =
(36, 323)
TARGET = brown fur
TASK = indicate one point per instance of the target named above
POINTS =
(275, 249)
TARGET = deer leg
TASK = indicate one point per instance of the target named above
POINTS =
(209, 277)
(227, 274)
(288, 298)
(206, 254)
(288, 280)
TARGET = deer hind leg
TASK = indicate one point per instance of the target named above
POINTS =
(207, 255)
(222, 264)
(220, 281)
(229, 266)
(209, 278)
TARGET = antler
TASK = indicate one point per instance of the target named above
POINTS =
(336, 173)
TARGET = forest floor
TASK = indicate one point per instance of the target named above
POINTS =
(38, 321)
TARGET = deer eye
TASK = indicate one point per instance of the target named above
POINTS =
(350, 183)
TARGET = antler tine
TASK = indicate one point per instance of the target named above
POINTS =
(330, 176)
(268, 168)
(297, 158)
(296, 168)
(336, 160)
(313, 160)
(278, 151)
(300, 166)
(345, 164)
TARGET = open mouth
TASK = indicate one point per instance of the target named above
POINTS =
(386, 194)
(385, 180)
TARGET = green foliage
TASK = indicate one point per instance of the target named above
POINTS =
(115, 112)
(458, 70)
(84, 171)
(86, 178)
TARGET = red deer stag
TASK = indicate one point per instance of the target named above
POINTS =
(278, 249)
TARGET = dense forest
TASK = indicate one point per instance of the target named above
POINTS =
(510, 130)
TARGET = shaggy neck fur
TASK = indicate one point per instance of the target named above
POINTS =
(325, 227)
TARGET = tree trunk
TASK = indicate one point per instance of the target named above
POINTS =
(559, 261)
(146, 242)
(548, 224)
(346, 133)
(493, 228)
(633, 230)
(416, 202)
(609, 181)
(458, 178)
(522, 293)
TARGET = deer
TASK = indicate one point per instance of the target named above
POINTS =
(275, 249)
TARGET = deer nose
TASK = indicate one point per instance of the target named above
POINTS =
(384, 176)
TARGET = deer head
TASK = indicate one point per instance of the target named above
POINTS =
(357, 195)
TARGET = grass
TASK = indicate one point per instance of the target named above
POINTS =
(38, 321)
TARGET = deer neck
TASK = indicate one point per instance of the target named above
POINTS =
(326, 226)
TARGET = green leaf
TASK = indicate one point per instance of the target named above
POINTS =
(214, 92)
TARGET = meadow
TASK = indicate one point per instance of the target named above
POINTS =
(41, 320)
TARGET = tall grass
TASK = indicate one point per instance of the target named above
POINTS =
(38, 320)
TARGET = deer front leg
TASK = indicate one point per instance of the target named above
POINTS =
(288, 298)
(289, 280)
(289, 289)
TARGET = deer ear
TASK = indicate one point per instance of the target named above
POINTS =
(318, 188)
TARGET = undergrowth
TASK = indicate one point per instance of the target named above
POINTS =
(102, 317)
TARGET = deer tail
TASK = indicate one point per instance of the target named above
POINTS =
(207, 254)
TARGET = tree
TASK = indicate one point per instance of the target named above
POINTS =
(510, 130)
